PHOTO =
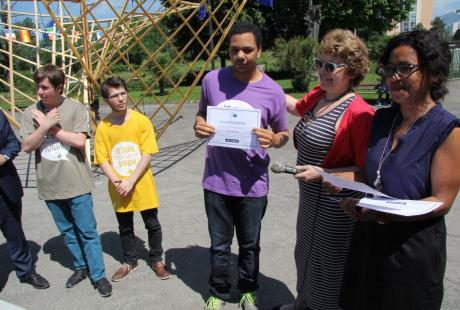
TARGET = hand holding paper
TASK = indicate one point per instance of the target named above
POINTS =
(234, 127)
(380, 201)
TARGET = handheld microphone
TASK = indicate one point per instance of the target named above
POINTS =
(278, 167)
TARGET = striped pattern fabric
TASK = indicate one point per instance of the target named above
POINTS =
(323, 229)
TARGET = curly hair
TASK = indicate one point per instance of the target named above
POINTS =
(433, 55)
(349, 47)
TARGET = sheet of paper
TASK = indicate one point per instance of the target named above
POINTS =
(342, 183)
(233, 127)
(380, 201)
(399, 206)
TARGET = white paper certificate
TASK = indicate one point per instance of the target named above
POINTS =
(233, 127)
(380, 201)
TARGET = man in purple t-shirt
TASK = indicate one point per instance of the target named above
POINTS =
(235, 181)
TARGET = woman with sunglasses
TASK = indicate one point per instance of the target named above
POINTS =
(332, 134)
(414, 153)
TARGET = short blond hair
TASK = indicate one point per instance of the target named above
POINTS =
(349, 47)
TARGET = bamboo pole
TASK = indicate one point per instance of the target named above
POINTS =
(10, 62)
(37, 37)
(86, 83)
(61, 20)
(218, 44)
(98, 59)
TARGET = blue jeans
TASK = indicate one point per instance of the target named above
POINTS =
(10, 224)
(244, 214)
(75, 220)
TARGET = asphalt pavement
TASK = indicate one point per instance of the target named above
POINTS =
(178, 170)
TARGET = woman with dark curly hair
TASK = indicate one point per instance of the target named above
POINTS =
(332, 133)
(414, 153)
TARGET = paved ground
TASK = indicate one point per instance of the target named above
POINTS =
(178, 170)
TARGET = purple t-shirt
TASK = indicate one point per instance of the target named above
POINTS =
(236, 172)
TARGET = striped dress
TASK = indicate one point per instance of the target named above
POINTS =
(323, 229)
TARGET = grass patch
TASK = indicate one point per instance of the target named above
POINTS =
(175, 97)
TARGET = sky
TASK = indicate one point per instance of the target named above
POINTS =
(442, 7)
(101, 11)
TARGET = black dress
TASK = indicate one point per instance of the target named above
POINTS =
(401, 265)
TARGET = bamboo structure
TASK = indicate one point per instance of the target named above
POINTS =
(91, 41)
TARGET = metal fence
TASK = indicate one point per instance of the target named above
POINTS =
(455, 65)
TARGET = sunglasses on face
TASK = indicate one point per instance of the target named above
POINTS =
(329, 66)
(401, 69)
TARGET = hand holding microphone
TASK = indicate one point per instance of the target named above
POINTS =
(304, 173)
(278, 167)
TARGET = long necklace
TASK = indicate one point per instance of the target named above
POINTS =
(378, 178)
(400, 132)
(378, 185)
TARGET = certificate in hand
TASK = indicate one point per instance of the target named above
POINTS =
(380, 201)
(233, 127)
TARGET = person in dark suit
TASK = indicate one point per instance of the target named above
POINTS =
(11, 209)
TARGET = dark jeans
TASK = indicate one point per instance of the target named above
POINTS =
(245, 215)
(128, 240)
(10, 224)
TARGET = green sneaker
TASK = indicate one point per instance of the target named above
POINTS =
(248, 301)
(214, 303)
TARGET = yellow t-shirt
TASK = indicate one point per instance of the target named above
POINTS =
(122, 146)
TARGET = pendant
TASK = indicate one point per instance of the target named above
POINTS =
(308, 116)
(378, 182)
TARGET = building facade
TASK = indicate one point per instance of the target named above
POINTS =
(422, 13)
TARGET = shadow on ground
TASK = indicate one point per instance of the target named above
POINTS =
(58, 252)
(192, 266)
(111, 245)
(6, 265)
(110, 241)
(166, 158)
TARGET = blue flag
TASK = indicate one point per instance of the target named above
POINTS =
(202, 12)
(266, 3)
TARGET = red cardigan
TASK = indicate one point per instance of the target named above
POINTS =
(349, 147)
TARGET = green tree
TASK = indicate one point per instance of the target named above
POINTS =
(419, 26)
(296, 56)
(364, 16)
(456, 36)
(24, 51)
(163, 72)
(290, 18)
(439, 26)
(252, 12)
(376, 44)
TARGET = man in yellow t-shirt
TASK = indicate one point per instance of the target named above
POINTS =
(123, 148)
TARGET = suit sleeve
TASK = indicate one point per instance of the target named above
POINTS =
(10, 145)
